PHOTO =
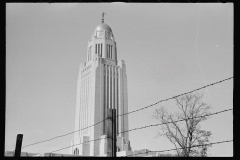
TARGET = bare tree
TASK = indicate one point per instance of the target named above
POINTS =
(186, 134)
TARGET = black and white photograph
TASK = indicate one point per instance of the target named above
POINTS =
(119, 80)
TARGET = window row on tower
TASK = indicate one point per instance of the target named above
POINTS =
(98, 49)
(109, 51)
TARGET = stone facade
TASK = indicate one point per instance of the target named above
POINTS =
(102, 84)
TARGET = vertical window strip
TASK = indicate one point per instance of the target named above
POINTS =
(113, 78)
(107, 51)
(98, 47)
(101, 49)
(95, 48)
(110, 78)
(111, 52)
(107, 87)
(117, 100)
(86, 104)
(103, 98)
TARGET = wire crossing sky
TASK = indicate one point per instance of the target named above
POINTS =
(198, 56)
(46, 42)
(137, 111)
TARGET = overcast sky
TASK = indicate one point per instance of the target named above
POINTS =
(168, 48)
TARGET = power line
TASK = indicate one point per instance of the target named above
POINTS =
(78, 144)
(182, 148)
(175, 121)
(175, 96)
(64, 134)
(130, 112)
(146, 127)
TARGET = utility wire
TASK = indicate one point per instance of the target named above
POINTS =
(77, 144)
(145, 127)
(175, 97)
(64, 134)
(182, 148)
(130, 112)
(175, 121)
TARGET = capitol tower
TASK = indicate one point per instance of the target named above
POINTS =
(102, 84)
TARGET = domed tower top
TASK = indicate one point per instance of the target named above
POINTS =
(103, 26)
(102, 43)
(102, 31)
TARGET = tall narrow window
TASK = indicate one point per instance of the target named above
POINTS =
(111, 51)
(96, 48)
(104, 91)
(107, 50)
(101, 49)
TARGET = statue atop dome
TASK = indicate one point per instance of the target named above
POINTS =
(103, 17)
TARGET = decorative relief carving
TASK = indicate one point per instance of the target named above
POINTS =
(100, 34)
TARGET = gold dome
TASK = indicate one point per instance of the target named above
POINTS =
(103, 26)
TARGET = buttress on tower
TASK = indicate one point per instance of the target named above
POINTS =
(102, 84)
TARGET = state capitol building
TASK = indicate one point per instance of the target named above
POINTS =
(102, 84)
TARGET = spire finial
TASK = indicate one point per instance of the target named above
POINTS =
(103, 17)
